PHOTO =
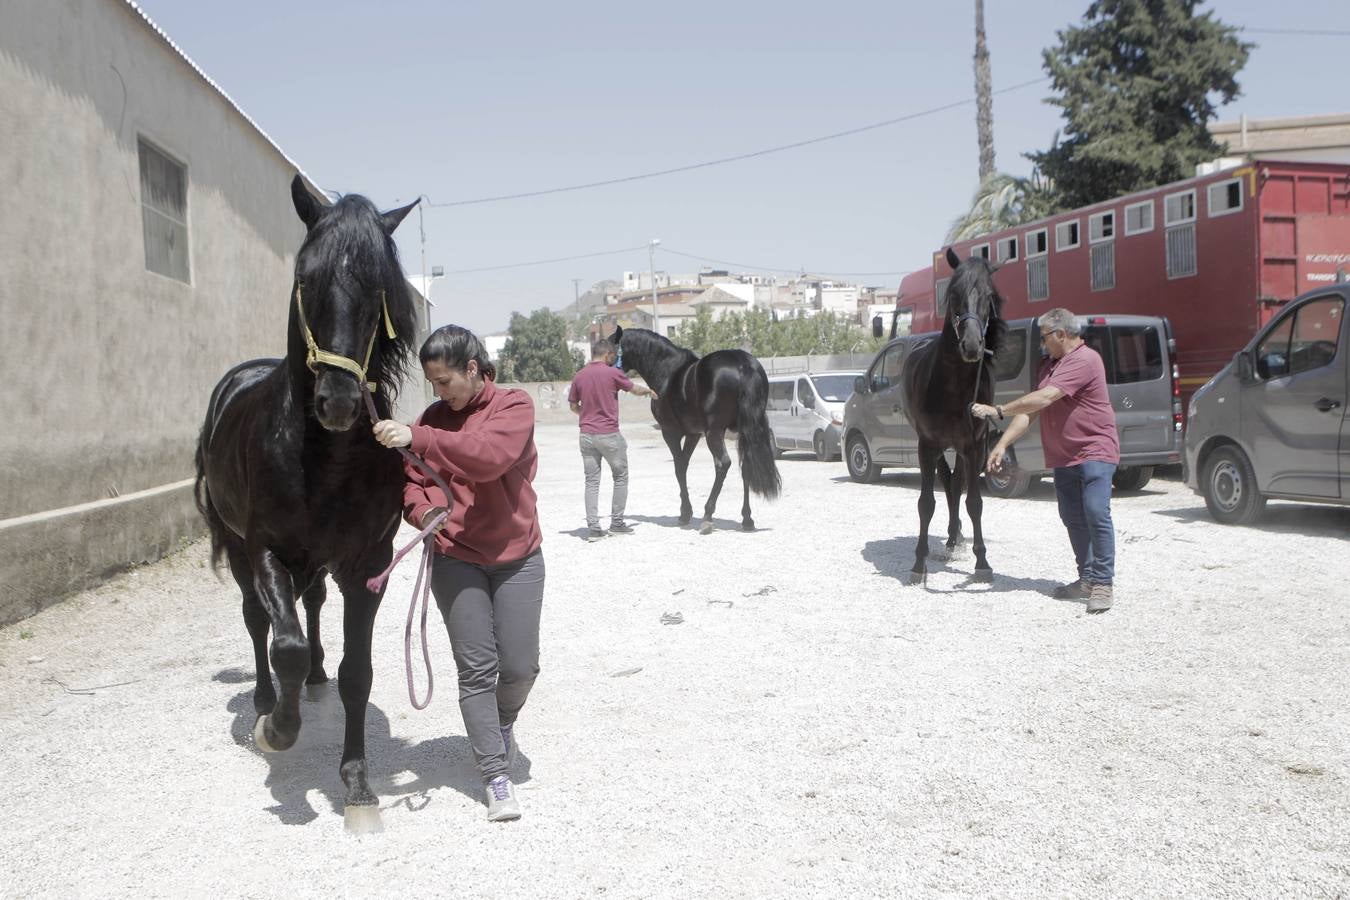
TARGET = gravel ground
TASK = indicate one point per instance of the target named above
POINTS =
(812, 727)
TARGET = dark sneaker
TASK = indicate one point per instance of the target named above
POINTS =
(595, 534)
(1074, 590)
(1100, 599)
(620, 528)
(509, 742)
(501, 800)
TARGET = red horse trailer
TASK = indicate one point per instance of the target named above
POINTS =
(1216, 255)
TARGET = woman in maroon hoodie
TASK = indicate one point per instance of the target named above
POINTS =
(488, 571)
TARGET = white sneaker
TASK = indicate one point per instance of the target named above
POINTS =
(501, 800)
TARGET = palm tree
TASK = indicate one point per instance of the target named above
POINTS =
(1002, 201)
(984, 101)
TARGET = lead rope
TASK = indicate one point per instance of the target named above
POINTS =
(423, 586)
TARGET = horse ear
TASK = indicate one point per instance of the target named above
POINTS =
(617, 335)
(952, 259)
(395, 216)
(305, 205)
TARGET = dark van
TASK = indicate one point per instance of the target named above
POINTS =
(1138, 352)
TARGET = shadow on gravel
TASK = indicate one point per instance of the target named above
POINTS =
(1310, 520)
(312, 764)
(893, 559)
(694, 523)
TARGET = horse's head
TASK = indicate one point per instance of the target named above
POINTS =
(973, 306)
(352, 319)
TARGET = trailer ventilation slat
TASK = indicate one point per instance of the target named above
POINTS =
(1104, 266)
(1181, 251)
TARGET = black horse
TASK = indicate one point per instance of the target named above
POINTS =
(726, 390)
(941, 378)
(293, 484)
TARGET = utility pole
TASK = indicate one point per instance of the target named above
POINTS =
(984, 101)
(651, 265)
(576, 294)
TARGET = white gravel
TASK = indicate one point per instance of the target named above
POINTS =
(813, 727)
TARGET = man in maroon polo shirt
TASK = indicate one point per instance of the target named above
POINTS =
(594, 396)
(1078, 432)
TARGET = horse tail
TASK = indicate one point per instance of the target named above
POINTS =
(754, 444)
(201, 496)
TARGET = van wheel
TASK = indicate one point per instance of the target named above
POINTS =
(1229, 485)
(1009, 484)
(818, 443)
(859, 459)
(1132, 478)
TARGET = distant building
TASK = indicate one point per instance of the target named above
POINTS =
(1302, 138)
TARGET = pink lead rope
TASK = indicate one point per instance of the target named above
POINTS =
(423, 586)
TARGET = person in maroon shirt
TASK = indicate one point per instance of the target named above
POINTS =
(594, 396)
(488, 570)
(1078, 432)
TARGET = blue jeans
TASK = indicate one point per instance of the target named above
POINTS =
(1084, 493)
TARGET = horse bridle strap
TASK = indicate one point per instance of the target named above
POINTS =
(316, 357)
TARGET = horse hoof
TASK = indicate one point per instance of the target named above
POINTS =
(363, 819)
(260, 736)
(684, 520)
(917, 577)
(747, 526)
(983, 576)
(707, 528)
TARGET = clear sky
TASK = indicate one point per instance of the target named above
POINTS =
(466, 100)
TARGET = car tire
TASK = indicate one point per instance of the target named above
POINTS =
(1229, 485)
(1132, 478)
(818, 444)
(858, 457)
(1009, 484)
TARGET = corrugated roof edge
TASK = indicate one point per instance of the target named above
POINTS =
(163, 35)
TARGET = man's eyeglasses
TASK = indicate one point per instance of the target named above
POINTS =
(1046, 334)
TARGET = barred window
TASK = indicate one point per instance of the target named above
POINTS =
(1104, 266)
(1038, 278)
(1181, 251)
(164, 213)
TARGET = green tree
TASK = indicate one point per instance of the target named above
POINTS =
(1003, 201)
(1136, 83)
(537, 350)
(756, 332)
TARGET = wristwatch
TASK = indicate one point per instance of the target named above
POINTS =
(999, 410)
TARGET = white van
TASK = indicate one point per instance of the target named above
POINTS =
(806, 411)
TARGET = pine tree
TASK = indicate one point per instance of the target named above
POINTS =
(1135, 82)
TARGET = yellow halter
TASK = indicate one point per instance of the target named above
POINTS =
(315, 356)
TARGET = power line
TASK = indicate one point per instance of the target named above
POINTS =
(788, 269)
(743, 156)
(1307, 32)
(544, 262)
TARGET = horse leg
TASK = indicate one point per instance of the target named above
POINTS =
(928, 460)
(975, 507)
(361, 810)
(747, 523)
(681, 456)
(275, 589)
(722, 461)
(257, 623)
(954, 487)
(313, 598)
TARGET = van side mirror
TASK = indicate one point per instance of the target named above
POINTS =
(876, 327)
(859, 384)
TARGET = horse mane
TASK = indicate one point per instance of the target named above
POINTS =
(659, 353)
(353, 229)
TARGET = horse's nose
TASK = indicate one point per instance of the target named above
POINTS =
(337, 401)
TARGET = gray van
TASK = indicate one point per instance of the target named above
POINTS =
(1138, 352)
(806, 411)
(1273, 422)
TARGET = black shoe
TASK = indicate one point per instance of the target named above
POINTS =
(595, 534)
(621, 528)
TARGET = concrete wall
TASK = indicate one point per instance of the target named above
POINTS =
(108, 367)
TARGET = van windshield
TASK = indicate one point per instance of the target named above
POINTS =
(834, 388)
